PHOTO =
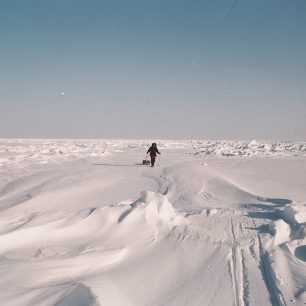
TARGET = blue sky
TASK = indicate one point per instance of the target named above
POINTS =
(153, 69)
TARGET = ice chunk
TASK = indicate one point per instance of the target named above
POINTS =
(281, 232)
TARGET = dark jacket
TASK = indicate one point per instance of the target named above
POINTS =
(153, 150)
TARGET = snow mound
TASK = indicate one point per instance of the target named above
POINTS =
(253, 143)
(281, 232)
(155, 207)
(295, 213)
(212, 212)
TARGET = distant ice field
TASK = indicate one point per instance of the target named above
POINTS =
(20, 151)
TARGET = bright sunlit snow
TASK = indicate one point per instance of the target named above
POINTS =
(83, 222)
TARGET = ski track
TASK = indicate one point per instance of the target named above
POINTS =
(276, 297)
(242, 240)
(238, 239)
(247, 264)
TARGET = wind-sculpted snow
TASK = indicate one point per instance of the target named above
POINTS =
(83, 222)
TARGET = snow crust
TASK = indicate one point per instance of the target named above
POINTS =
(83, 222)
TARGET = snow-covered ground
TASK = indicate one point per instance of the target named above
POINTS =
(83, 222)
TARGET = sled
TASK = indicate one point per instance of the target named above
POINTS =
(146, 162)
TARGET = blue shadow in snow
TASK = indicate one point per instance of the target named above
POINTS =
(275, 201)
(300, 252)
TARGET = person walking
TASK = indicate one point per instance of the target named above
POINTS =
(153, 151)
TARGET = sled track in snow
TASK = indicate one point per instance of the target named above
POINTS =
(276, 297)
(246, 253)
(239, 228)
(237, 265)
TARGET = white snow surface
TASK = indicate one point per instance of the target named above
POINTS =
(83, 222)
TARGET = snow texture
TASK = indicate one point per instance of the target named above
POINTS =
(83, 222)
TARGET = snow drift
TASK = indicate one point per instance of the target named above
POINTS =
(219, 223)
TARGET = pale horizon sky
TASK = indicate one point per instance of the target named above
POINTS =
(163, 69)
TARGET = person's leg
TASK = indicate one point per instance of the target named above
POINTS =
(152, 161)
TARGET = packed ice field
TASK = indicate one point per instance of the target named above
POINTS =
(47, 151)
(83, 222)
